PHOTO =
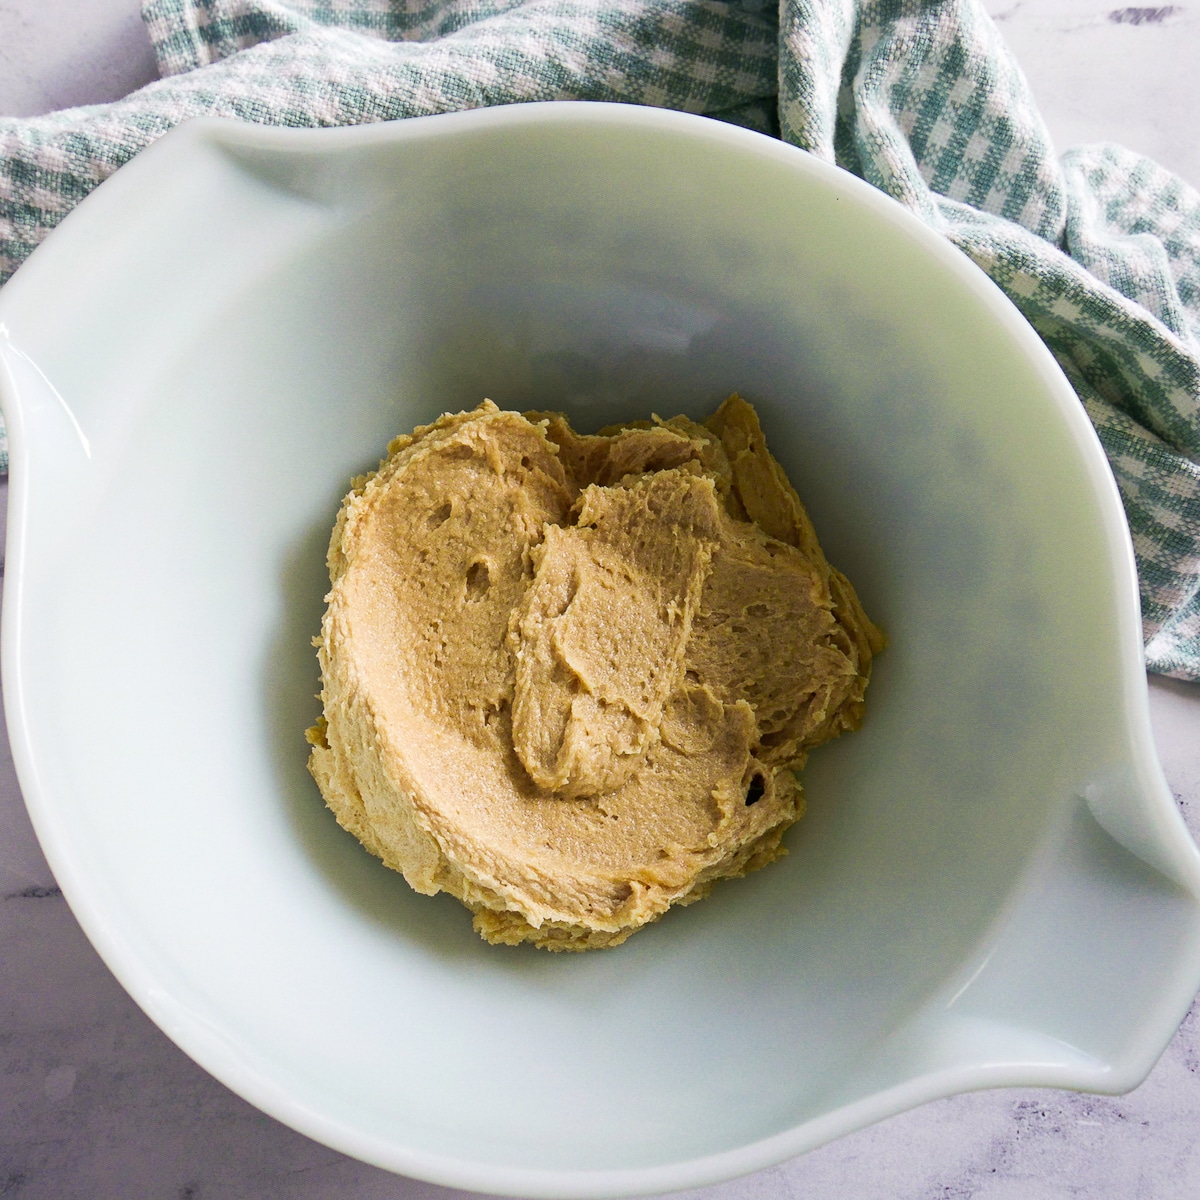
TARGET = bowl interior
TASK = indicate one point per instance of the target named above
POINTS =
(280, 308)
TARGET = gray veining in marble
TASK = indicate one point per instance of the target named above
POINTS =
(1104, 71)
(97, 1104)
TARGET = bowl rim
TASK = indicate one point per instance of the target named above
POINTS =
(205, 1045)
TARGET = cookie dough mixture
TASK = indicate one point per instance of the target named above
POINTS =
(567, 678)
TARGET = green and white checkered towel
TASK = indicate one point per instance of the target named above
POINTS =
(1100, 249)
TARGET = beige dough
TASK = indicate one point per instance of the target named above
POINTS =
(567, 678)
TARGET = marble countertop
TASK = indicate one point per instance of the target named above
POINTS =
(95, 1102)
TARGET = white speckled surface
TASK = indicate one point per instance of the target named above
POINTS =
(95, 1103)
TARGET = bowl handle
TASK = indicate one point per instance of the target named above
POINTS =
(1101, 950)
(1086, 974)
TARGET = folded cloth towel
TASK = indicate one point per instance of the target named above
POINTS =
(1100, 250)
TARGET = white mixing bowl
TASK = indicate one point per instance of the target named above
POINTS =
(992, 886)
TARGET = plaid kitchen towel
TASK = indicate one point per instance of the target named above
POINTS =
(1100, 249)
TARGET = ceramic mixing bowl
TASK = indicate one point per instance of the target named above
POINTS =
(992, 886)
